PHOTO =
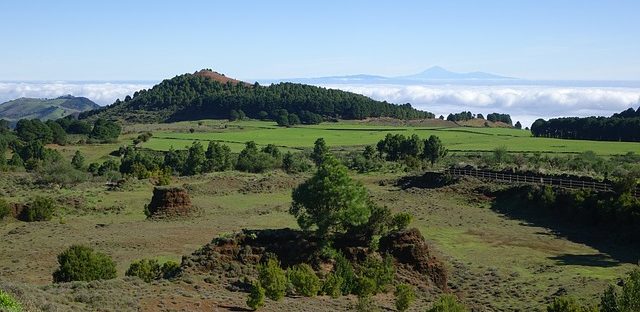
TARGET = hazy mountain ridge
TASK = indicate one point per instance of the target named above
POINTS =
(44, 109)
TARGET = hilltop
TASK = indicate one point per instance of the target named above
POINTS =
(44, 109)
(210, 95)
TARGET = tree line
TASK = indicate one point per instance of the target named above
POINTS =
(624, 126)
(192, 97)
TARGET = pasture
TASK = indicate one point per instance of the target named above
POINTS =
(348, 134)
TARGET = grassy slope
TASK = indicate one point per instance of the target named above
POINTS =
(44, 109)
(460, 139)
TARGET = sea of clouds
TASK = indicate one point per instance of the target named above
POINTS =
(103, 93)
(525, 103)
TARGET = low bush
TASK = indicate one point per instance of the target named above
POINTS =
(8, 303)
(256, 296)
(448, 303)
(405, 295)
(81, 263)
(150, 269)
(296, 163)
(304, 280)
(4, 209)
(40, 209)
(273, 279)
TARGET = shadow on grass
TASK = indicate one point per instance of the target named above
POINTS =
(610, 243)
(595, 260)
(234, 308)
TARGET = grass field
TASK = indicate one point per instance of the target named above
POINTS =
(344, 134)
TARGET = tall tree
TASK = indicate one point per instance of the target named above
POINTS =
(434, 150)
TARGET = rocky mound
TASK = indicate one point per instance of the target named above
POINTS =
(169, 202)
(249, 247)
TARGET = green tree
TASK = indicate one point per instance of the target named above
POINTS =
(78, 160)
(609, 300)
(448, 303)
(81, 263)
(256, 296)
(218, 157)
(105, 130)
(304, 280)
(33, 130)
(58, 135)
(40, 209)
(518, 125)
(567, 304)
(320, 151)
(330, 200)
(273, 278)
(405, 295)
(233, 115)
(145, 269)
(434, 150)
(195, 162)
(629, 297)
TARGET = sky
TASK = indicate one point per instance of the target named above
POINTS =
(151, 40)
(105, 50)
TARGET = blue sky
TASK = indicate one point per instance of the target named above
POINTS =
(151, 40)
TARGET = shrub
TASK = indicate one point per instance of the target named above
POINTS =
(62, 173)
(379, 271)
(8, 303)
(627, 300)
(78, 160)
(304, 280)
(170, 269)
(566, 304)
(332, 285)
(81, 263)
(40, 209)
(273, 278)
(401, 220)
(366, 304)
(146, 269)
(4, 209)
(256, 296)
(448, 303)
(295, 163)
(405, 295)
(344, 270)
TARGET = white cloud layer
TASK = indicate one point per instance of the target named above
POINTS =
(101, 93)
(524, 103)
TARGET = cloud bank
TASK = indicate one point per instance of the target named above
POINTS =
(99, 92)
(524, 103)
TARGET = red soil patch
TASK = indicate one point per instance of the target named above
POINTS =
(217, 77)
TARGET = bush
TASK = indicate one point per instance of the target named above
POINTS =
(150, 269)
(566, 304)
(78, 160)
(256, 296)
(273, 278)
(380, 272)
(401, 220)
(4, 209)
(344, 271)
(627, 300)
(448, 303)
(40, 209)
(62, 173)
(295, 163)
(405, 295)
(366, 304)
(332, 285)
(304, 280)
(8, 303)
(81, 263)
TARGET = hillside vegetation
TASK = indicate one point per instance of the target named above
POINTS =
(206, 95)
(44, 109)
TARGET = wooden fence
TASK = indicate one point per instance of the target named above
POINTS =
(543, 180)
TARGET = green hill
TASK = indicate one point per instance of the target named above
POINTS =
(210, 95)
(44, 109)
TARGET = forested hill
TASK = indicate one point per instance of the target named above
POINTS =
(623, 126)
(44, 109)
(206, 96)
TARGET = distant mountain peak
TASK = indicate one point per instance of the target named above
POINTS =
(440, 73)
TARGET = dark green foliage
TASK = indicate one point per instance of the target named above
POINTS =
(143, 137)
(78, 160)
(60, 172)
(295, 163)
(175, 160)
(273, 278)
(193, 97)
(283, 120)
(343, 270)
(363, 162)
(80, 263)
(218, 157)
(105, 131)
(4, 209)
(108, 166)
(624, 126)
(405, 295)
(233, 115)
(401, 221)
(332, 285)
(434, 150)
(58, 135)
(448, 303)
(304, 280)
(253, 160)
(150, 269)
(294, 120)
(196, 160)
(374, 275)
(463, 116)
(16, 161)
(396, 147)
(29, 130)
(366, 304)
(256, 296)
(330, 200)
(625, 300)
(140, 163)
(518, 125)
(74, 126)
(320, 151)
(40, 209)
(497, 117)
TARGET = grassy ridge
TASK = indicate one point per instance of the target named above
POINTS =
(344, 134)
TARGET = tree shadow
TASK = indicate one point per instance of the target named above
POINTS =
(595, 260)
(609, 242)
(233, 308)
(429, 180)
